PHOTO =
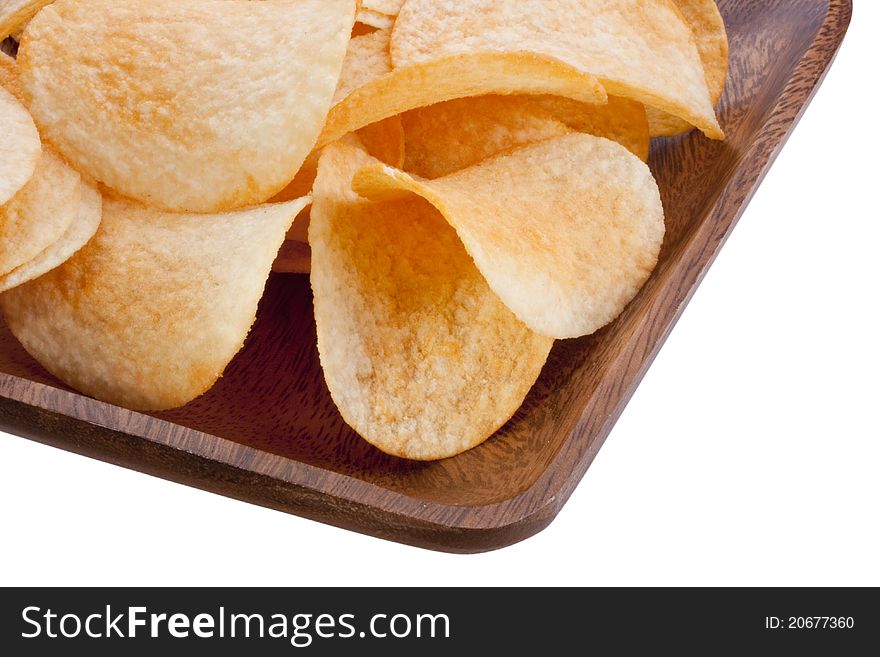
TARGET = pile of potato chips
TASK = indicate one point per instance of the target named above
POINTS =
(469, 176)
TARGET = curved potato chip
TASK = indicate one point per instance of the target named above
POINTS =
(19, 147)
(710, 33)
(447, 137)
(374, 18)
(366, 59)
(622, 120)
(383, 140)
(639, 49)
(9, 79)
(459, 76)
(387, 7)
(15, 14)
(379, 13)
(150, 312)
(33, 219)
(40, 213)
(83, 228)
(566, 232)
(421, 358)
(301, 185)
(168, 105)
(451, 136)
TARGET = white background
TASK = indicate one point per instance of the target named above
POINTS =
(750, 455)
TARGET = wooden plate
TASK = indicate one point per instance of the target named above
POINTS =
(268, 433)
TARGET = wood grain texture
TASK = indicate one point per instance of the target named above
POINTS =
(268, 432)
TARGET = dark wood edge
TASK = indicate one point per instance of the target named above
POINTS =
(189, 457)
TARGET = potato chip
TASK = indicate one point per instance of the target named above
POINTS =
(622, 120)
(447, 137)
(302, 183)
(459, 76)
(9, 79)
(639, 49)
(421, 358)
(374, 18)
(14, 14)
(41, 224)
(164, 102)
(383, 140)
(367, 59)
(379, 13)
(451, 136)
(150, 312)
(387, 7)
(710, 33)
(40, 213)
(83, 228)
(566, 231)
(19, 147)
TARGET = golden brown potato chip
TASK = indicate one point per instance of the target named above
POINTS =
(34, 218)
(622, 120)
(9, 79)
(83, 228)
(370, 90)
(420, 356)
(150, 312)
(40, 213)
(387, 7)
(383, 140)
(447, 137)
(302, 183)
(566, 231)
(639, 49)
(451, 136)
(19, 146)
(379, 13)
(711, 36)
(164, 102)
(366, 60)
(459, 76)
(374, 18)
(14, 14)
